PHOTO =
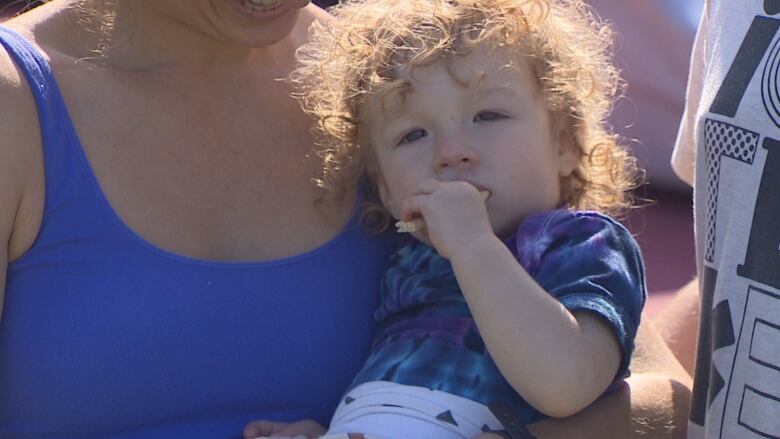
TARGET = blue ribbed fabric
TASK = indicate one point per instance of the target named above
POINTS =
(105, 335)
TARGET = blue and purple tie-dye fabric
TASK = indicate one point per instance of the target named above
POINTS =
(427, 337)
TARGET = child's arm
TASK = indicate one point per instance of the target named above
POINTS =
(558, 361)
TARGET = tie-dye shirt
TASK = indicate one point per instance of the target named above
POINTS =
(427, 337)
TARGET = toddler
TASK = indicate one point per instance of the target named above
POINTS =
(483, 121)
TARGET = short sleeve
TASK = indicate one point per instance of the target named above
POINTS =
(589, 262)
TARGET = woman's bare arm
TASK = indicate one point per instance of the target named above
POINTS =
(654, 403)
(21, 168)
(678, 324)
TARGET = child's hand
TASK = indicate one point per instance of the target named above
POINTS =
(454, 214)
(306, 428)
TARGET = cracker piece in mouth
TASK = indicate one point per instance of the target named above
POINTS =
(418, 224)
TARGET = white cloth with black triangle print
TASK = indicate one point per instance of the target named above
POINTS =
(389, 410)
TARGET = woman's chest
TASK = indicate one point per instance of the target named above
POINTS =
(205, 175)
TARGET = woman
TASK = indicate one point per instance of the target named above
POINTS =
(167, 264)
(169, 273)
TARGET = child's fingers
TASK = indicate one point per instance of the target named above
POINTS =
(411, 215)
(413, 207)
(428, 186)
(258, 429)
(305, 428)
(431, 186)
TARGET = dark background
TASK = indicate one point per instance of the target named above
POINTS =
(325, 3)
(9, 8)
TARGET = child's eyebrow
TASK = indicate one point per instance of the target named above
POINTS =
(390, 124)
(481, 85)
(499, 89)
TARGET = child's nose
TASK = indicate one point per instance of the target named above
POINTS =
(453, 154)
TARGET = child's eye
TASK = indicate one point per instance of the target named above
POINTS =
(413, 135)
(488, 116)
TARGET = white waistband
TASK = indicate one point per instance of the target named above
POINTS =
(409, 411)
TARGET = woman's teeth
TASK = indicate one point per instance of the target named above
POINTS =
(262, 5)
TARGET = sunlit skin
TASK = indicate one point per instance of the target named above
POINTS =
(203, 83)
(227, 21)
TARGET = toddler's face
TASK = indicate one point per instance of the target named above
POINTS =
(489, 127)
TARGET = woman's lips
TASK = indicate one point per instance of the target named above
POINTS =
(261, 5)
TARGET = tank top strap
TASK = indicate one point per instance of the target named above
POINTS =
(61, 147)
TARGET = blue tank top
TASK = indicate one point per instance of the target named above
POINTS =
(105, 335)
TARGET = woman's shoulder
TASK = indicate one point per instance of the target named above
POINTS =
(48, 31)
(311, 14)
(18, 126)
(21, 156)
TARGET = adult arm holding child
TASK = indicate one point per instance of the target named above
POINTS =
(653, 402)
(678, 323)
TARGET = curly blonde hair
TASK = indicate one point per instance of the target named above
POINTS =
(356, 54)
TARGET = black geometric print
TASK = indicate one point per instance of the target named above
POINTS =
(724, 333)
(721, 338)
(751, 402)
(446, 417)
(772, 7)
(761, 33)
(717, 383)
(762, 256)
(769, 83)
(722, 140)
(704, 369)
